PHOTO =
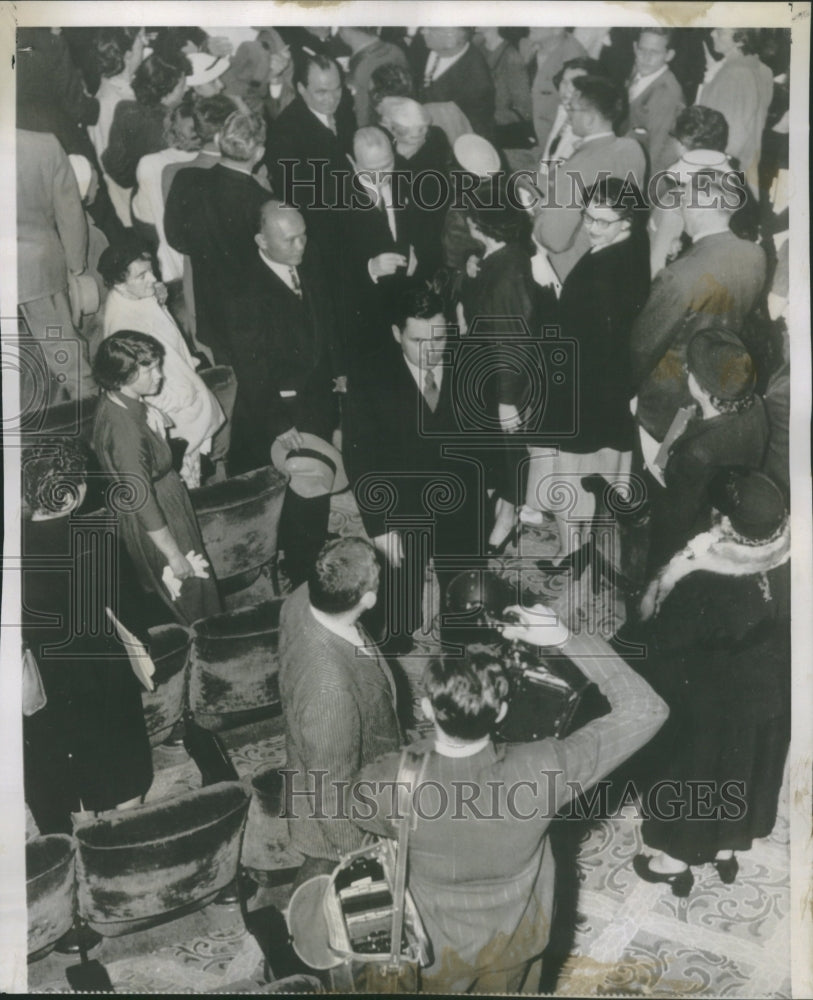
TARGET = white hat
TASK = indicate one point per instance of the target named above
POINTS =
(316, 469)
(476, 154)
(205, 68)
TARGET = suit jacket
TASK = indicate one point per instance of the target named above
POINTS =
(136, 130)
(366, 234)
(715, 283)
(683, 509)
(655, 111)
(279, 343)
(544, 95)
(742, 91)
(558, 227)
(391, 433)
(603, 294)
(212, 217)
(297, 134)
(512, 90)
(52, 232)
(360, 69)
(339, 711)
(469, 85)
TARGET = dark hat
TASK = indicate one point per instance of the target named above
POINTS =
(720, 363)
(752, 502)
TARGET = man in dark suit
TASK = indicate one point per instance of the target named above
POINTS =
(400, 411)
(280, 343)
(317, 125)
(455, 70)
(379, 241)
(211, 216)
(717, 281)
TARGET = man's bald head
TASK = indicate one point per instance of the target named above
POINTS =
(372, 149)
(282, 236)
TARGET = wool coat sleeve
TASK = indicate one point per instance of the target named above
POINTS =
(69, 214)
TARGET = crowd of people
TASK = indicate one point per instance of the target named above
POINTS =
(492, 267)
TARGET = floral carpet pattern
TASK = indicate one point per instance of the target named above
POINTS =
(619, 936)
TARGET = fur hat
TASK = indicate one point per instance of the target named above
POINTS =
(751, 501)
(721, 365)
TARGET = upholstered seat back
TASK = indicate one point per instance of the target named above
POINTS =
(50, 864)
(266, 844)
(139, 866)
(233, 666)
(239, 521)
(163, 707)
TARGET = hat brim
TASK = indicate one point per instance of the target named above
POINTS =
(312, 443)
(308, 926)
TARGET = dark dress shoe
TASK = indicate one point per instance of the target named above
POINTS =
(79, 938)
(727, 869)
(681, 882)
(498, 550)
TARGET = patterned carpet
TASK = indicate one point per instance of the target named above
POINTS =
(614, 935)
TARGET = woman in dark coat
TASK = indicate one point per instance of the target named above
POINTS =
(600, 299)
(155, 513)
(87, 747)
(716, 626)
(500, 312)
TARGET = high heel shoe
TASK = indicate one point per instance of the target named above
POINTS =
(727, 869)
(498, 550)
(681, 882)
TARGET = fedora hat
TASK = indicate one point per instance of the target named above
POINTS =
(205, 68)
(83, 293)
(307, 924)
(316, 469)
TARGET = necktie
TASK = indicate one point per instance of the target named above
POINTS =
(555, 144)
(295, 283)
(331, 123)
(431, 393)
(431, 67)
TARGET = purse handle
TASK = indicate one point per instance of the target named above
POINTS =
(410, 771)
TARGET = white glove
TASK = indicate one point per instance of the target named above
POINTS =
(171, 582)
(198, 564)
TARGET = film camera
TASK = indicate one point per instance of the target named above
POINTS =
(546, 687)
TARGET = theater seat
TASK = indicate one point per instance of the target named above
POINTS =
(50, 888)
(267, 854)
(139, 867)
(239, 521)
(163, 707)
(233, 666)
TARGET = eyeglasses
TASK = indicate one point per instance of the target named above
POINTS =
(602, 225)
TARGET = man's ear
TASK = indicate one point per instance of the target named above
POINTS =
(670, 55)
(396, 333)
(259, 239)
(368, 599)
(426, 708)
(501, 713)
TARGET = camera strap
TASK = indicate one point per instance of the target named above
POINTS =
(411, 769)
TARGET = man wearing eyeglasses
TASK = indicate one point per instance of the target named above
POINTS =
(593, 108)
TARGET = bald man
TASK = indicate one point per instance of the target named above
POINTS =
(379, 240)
(283, 343)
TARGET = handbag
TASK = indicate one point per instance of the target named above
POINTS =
(34, 697)
(362, 913)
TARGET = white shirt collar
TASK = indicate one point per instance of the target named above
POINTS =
(711, 232)
(347, 632)
(324, 119)
(419, 374)
(589, 138)
(282, 271)
(446, 62)
(445, 750)
(638, 86)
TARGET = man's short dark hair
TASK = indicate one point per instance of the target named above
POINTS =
(590, 67)
(667, 33)
(155, 78)
(601, 94)
(110, 47)
(210, 114)
(466, 694)
(417, 300)
(699, 127)
(345, 570)
(304, 61)
(115, 260)
(390, 80)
